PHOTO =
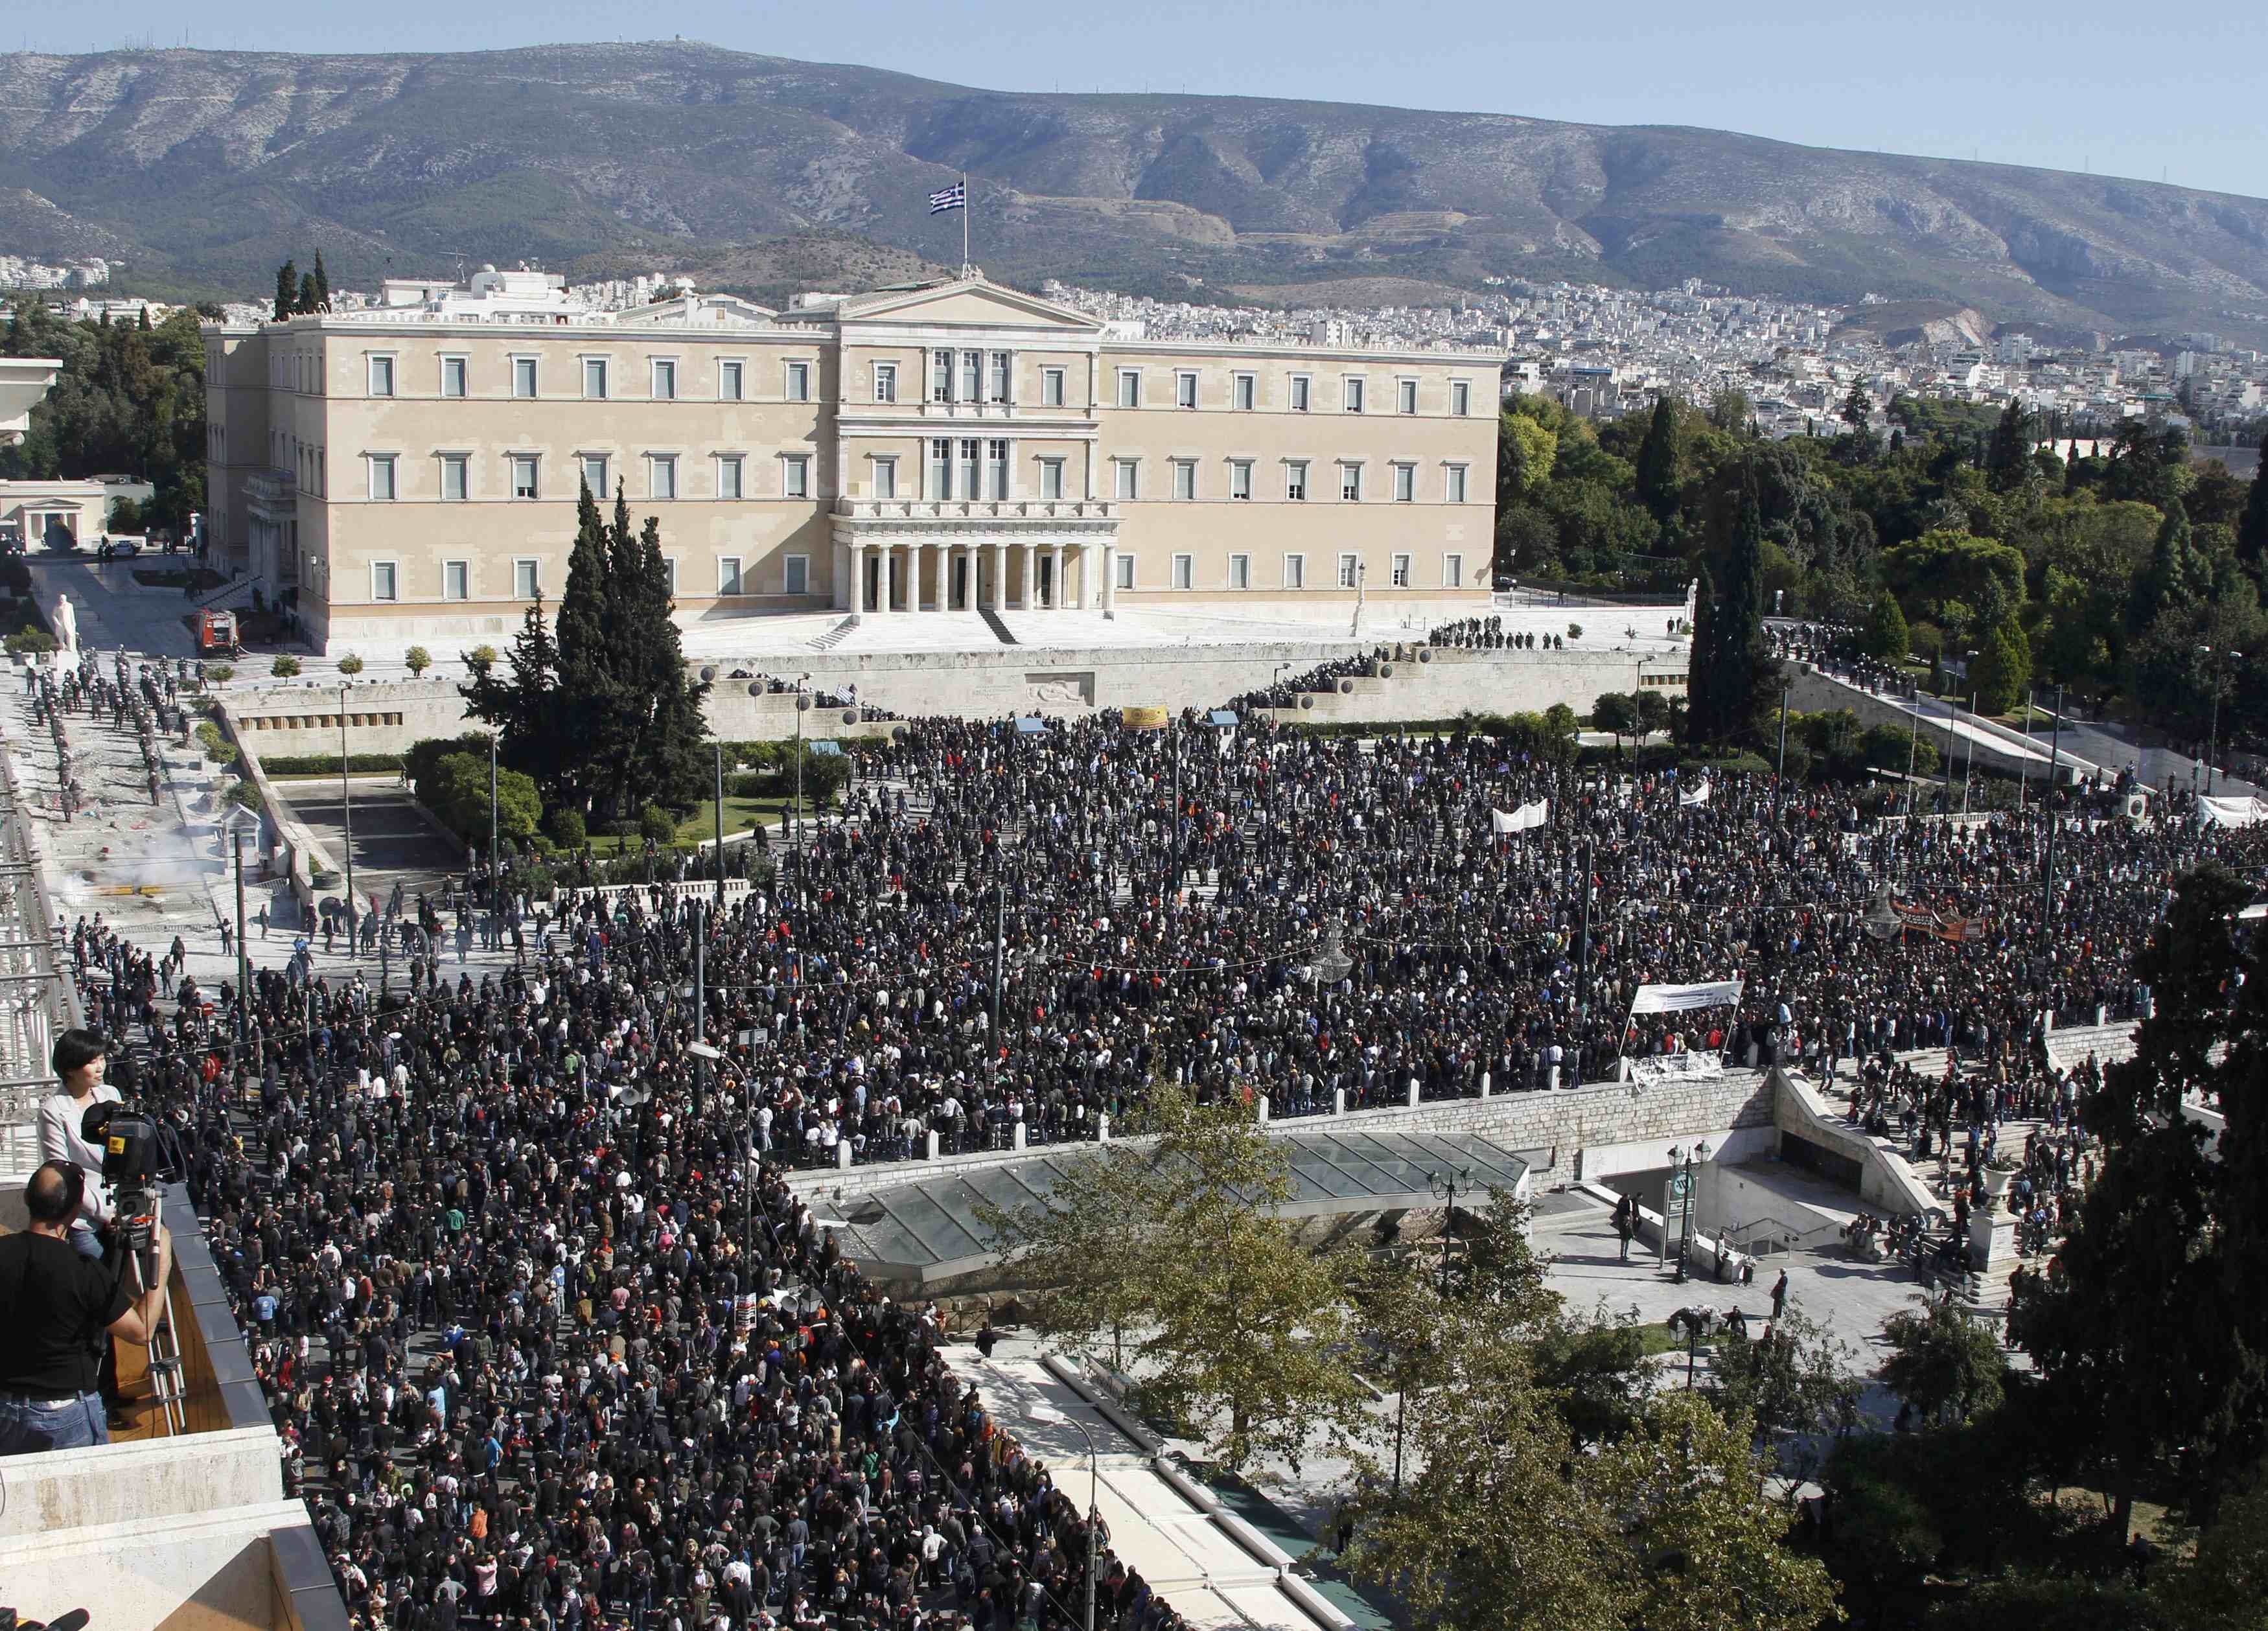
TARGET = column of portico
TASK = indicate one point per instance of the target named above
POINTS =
(1109, 579)
(999, 577)
(857, 597)
(970, 599)
(1056, 581)
(1025, 573)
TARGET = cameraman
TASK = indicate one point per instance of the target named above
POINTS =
(81, 1062)
(58, 1309)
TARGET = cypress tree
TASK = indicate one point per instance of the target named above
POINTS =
(287, 291)
(2007, 456)
(308, 302)
(2252, 525)
(322, 285)
(1657, 461)
(1888, 638)
(2175, 576)
(1734, 668)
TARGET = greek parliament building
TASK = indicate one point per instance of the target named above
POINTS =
(410, 470)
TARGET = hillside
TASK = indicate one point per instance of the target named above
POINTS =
(213, 166)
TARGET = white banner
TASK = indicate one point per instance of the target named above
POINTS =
(1678, 999)
(1699, 795)
(1703, 1067)
(2233, 812)
(1520, 819)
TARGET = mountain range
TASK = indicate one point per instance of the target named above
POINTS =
(203, 169)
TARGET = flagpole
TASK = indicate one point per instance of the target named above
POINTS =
(964, 224)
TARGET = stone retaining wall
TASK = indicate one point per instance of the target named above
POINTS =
(1556, 1126)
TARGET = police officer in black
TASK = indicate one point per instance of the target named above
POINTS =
(57, 1308)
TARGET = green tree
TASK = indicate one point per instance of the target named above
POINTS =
(1244, 1329)
(350, 665)
(2140, 1352)
(125, 516)
(2007, 457)
(309, 303)
(2252, 530)
(1886, 639)
(1087, 1248)
(287, 291)
(2224, 1586)
(417, 660)
(1500, 1529)
(2177, 576)
(1657, 473)
(322, 285)
(1615, 712)
(1733, 670)
(1797, 1378)
(2002, 668)
(1944, 567)
(286, 667)
(600, 709)
(458, 793)
(1526, 452)
(1943, 1363)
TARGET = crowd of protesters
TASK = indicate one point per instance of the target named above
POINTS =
(554, 1347)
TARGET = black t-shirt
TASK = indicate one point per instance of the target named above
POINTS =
(54, 1306)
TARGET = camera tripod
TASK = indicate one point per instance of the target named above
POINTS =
(138, 1210)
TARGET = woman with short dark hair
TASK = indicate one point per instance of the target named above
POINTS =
(81, 1059)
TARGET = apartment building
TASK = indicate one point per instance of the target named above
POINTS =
(412, 471)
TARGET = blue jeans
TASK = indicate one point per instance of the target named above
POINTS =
(28, 1426)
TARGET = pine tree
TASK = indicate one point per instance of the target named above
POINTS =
(1657, 461)
(1888, 638)
(2252, 526)
(2003, 667)
(528, 710)
(322, 285)
(307, 301)
(2175, 576)
(287, 291)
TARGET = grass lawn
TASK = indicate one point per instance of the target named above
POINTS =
(741, 814)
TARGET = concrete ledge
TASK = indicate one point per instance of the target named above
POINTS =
(148, 1482)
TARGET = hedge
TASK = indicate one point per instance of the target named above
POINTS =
(327, 764)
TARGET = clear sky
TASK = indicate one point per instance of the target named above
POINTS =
(2120, 88)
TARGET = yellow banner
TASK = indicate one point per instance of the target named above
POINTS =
(1143, 718)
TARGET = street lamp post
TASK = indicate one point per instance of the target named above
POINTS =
(2212, 731)
(1780, 777)
(346, 799)
(1049, 1413)
(1684, 1178)
(1445, 1185)
(1969, 770)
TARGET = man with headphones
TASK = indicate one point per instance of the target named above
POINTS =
(57, 1309)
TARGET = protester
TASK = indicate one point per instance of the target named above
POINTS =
(551, 1342)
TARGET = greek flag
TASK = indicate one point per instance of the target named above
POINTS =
(953, 197)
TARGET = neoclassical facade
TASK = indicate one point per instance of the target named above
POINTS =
(412, 471)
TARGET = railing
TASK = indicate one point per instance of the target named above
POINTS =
(37, 999)
(976, 508)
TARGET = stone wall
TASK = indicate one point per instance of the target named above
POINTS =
(1554, 1128)
(391, 715)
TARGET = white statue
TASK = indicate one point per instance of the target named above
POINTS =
(66, 629)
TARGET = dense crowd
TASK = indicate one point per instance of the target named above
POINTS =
(554, 1346)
